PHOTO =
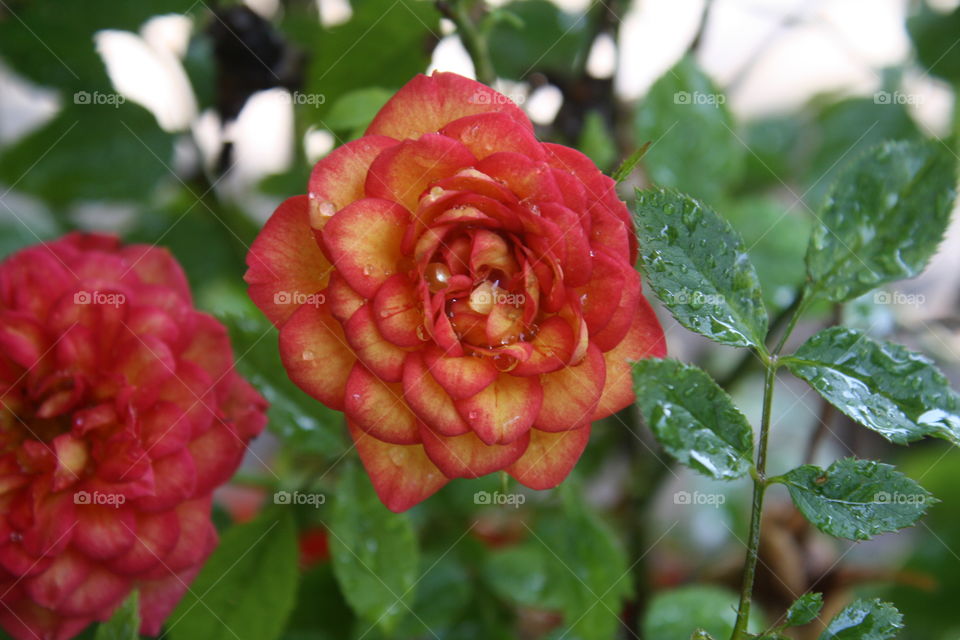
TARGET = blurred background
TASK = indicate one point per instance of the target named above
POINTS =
(184, 123)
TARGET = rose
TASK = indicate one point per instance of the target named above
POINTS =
(116, 424)
(481, 304)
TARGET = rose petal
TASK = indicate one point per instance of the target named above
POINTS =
(402, 173)
(428, 400)
(461, 377)
(285, 263)
(381, 356)
(397, 312)
(378, 408)
(504, 411)
(549, 457)
(363, 242)
(402, 475)
(315, 354)
(487, 133)
(571, 394)
(645, 339)
(338, 178)
(466, 456)
(427, 103)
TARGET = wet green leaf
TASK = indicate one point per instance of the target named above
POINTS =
(843, 130)
(693, 418)
(375, 553)
(698, 266)
(804, 610)
(247, 588)
(694, 147)
(865, 620)
(884, 386)
(883, 218)
(856, 499)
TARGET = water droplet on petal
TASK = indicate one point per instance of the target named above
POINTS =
(308, 355)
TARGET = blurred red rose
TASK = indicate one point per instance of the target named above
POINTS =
(463, 292)
(120, 412)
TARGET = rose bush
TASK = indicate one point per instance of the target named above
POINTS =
(120, 412)
(463, 292)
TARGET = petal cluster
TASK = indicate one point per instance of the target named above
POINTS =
(464, 293)
(120, 412)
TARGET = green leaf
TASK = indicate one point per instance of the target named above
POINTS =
(694, 147)
(577, 567)
(375, 554)
(672, 614)
(693, 418)
(697, 265)
(124, 624)
(91, 152)
(846, 129)
(591, 570)
(804, 610)
(248, 586)
(776, 240)
(354, 110)
(856, 499)
(934, 36)
(538, 37)
(596, 142)
(520, 574)
(51, 42)
(394, 42)
(884, 386)
(627, 166)
(774, 158)
(865, 620)
(883, 218)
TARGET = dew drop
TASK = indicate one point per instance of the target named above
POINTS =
(368, 269)
(308, 355)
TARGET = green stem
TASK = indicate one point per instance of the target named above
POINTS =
(759, 489)
(473, 39)
(760, 481)
(799, 308)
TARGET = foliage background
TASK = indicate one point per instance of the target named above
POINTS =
(779, 96)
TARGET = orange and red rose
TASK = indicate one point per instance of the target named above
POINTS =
(120, 413)
(464, 293)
